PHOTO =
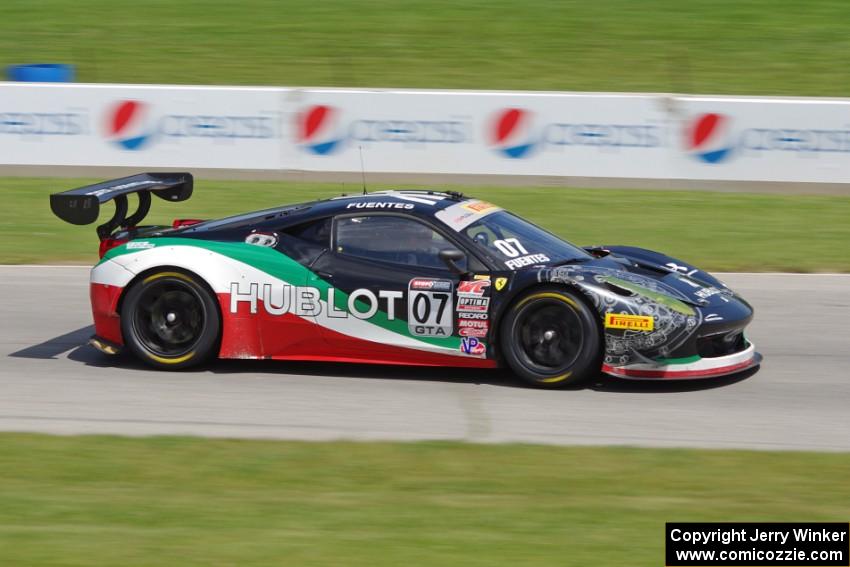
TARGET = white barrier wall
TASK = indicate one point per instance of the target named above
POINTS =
(142, 126)
(440, 132)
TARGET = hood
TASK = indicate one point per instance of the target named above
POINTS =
(678, 278)
(654, 307)
(619, 279)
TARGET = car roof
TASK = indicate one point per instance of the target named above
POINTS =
(418, 202)
(429, 200)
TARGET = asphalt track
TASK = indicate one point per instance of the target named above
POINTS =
(51, 382)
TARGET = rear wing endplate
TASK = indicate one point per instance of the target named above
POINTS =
(82, 205)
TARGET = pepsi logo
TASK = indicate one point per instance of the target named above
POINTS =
(511, 133)
(317, 131)
(127, 124)
(708, 137)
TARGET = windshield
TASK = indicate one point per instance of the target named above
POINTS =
(519, 243)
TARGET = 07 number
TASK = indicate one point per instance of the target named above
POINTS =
(422, 306)
(510, 247)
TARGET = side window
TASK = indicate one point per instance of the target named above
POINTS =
(386, 238)
(315, 232)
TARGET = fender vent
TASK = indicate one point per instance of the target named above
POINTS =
(619, 290)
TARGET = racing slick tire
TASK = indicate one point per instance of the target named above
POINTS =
(551, 338)
(170, 320)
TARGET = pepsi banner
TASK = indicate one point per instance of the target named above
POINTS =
(761, 139)
(572, 135)
(595, 135)
(139, 126)
(478, 132)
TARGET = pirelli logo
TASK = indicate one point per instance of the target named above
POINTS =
(630, 322)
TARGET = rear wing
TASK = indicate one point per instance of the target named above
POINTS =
(82, 205)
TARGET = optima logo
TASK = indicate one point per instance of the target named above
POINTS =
(708, 137)
(126, 124)
(316, 129)
(511, 133)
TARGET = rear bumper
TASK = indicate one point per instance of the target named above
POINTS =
(690, 369)
(104, 303)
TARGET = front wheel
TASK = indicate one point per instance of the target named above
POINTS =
(550, 338)
(170, 320)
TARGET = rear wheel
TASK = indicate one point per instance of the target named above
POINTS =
(550, 338)
(170, 320)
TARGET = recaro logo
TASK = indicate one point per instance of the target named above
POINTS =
(127, 124)
(317, 130)
(708, 137)
(510, 133)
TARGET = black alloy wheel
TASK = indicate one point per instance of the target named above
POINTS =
(170, 320)
(551, 338)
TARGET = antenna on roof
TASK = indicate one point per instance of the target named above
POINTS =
(362, 169)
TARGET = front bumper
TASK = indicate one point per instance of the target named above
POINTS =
(692, 368)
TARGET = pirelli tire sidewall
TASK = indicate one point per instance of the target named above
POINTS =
(202, 348)
(587, 362)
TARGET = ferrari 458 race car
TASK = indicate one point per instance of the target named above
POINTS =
(397, 277)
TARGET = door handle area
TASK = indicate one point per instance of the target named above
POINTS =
(324, 275)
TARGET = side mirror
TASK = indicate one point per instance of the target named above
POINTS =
(451, 257)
